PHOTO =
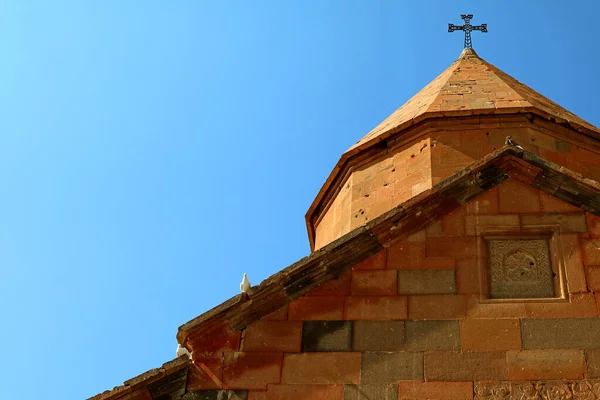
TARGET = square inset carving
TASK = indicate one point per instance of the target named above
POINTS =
(520, 268)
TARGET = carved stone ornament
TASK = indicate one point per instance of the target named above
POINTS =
(520, 268)
(538, 390)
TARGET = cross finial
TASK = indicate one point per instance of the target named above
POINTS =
(467, 27)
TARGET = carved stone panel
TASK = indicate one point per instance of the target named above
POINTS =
(520, 268)
(538, 390)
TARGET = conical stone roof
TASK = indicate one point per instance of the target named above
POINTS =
(471, 86)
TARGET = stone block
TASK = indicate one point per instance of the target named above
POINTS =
(477, 309)
(335, 287)
(305, 392)
(452, 247)
(593, 278)
(485, 203)
(435, 390)
(378, 336)
(376, 308)
(467, 276)
(478, 224)
(437, 306)
(321, 368)
(567, 222)
(426, 281)
(383, 282)
(465, 366)
(319, 308)
(490, 335)
(376, 261)
(552, 204)
(579, 305)
(515, 197)
(251, 370)
(391, 367)
(327, 336)
(282, 336)
(545, 364)
(574, 269)
(370, 392)
(432, 335)
(405, 255)
(453, 223)
(592, 358)
(593, 223)
(561, 333)
(590, 249)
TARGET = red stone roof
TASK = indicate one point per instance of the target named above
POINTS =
(471, 86)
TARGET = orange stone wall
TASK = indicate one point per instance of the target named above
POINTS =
(433, 156)
(411, 323)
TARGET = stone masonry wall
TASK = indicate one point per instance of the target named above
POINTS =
(411, 323)
(434, 155)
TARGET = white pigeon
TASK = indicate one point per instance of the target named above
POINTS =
(245, 285)
(181, 351)
(511, 142)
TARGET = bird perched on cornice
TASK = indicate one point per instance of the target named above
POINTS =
(511, 142)
(182, 350)
(245, 285)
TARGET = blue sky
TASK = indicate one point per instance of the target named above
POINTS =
(151, 152)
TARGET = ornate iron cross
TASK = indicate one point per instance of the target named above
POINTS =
(467, 27)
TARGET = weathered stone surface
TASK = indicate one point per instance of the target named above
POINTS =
(251, 370)
(327, 336)
(490, 334)
(390, 367)
(545, 364)
(592, 358)
(465, 366)
(426, 281)
(369, 392)
(534, 390)
(216, 395)
(567, 222)
(437, 306)
(378, 336)
(435, 390)
(563, 333)
(432, 335)
(321, 368)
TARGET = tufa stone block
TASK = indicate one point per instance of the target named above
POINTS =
(376, 308)
(545, 364)
(435, 390)
(378, 336)
(490, 335)
(432, 335)
(327, 336)
(437, 306)
(283, 336)
(426, 281)
(592, 358)
(567, 222)
(390, 367)
(369, 392)
(465, 366)
(251, 370)
(561, 333)
(317, 308)
(321, 368)
(382, 282)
